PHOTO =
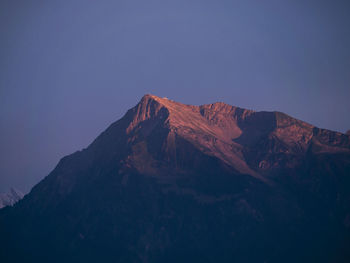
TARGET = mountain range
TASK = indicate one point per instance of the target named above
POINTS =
(170, 182)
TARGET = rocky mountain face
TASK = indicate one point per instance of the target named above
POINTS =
(178, 183)
(10, 198)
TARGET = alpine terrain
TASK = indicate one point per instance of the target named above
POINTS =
(170, 182)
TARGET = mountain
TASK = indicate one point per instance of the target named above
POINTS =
(9, 199)
(170, 182)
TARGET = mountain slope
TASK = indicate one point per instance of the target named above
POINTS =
(178, 183)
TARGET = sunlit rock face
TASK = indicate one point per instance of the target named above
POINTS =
(179, 183)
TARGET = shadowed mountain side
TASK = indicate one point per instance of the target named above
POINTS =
(178, 183)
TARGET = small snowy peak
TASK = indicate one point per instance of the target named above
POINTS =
(10, 198)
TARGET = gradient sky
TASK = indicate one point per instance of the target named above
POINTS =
(70, 68)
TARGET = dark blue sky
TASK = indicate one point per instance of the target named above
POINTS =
(70, 68)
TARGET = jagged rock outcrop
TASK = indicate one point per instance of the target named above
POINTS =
(179, 183)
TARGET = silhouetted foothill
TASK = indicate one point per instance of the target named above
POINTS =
(348, 132)
(170, 182)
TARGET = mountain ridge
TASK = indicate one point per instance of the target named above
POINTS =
(220, 128)
(170, 182)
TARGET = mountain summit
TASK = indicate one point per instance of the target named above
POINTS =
(170, 182)
(10, 198)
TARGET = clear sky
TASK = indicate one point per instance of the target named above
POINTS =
(70, 68)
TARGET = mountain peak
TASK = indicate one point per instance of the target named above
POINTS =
(228, 133)
(199, 119)
(10, 198)
(221, 130)
(211, 127)
(168, 173)
(150, 97)
(150, 107)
